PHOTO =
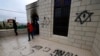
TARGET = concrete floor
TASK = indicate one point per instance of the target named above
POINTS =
(19, 46)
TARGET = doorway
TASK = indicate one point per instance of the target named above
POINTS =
(35, 19)
(61, 17)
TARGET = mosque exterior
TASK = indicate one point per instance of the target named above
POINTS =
(70, 22)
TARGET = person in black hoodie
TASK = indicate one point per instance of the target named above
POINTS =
(15, 27)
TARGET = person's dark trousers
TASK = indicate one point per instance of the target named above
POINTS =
(16, 32)
(30, 34)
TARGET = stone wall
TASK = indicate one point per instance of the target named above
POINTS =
(83, 35)
(96, 45)
(31, 8)
(45, 17)
(10, 32)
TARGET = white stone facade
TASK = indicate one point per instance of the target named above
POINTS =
(85, 36)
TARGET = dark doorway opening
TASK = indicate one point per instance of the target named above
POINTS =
(35, 19)
(61, 17)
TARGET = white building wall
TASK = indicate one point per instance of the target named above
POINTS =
(28, 15)
(29, 9)
(96, 44)
(83, 36)
(45, 10)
